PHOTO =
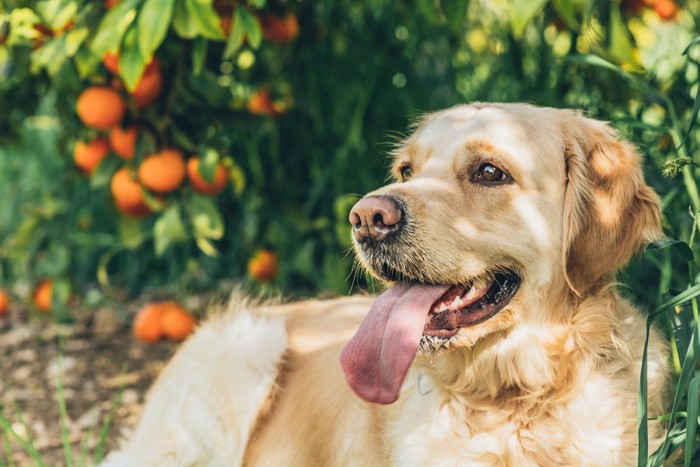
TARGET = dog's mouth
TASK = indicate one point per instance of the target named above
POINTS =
(409, 316)
(462, 306)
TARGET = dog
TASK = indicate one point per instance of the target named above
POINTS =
(501, 339)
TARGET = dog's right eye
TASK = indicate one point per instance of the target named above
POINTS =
(406, 172)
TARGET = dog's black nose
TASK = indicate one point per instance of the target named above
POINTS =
(375, 218)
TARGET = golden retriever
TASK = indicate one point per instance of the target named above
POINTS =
(502, 339)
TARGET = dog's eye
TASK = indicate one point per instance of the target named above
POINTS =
(490, 173)
(406, 172)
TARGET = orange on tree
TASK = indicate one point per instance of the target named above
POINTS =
(123, 141)
(88, 155)
(4, 303)
(666, 9)
(111, 61)
(100, 107)
(260, 103)
(128, 195)
(109, 4)
(149, 86)
(200, 184)
(147, 323)
(262, 267)
(42, 295)
(176, 322)
(279, 29)
(163, 171)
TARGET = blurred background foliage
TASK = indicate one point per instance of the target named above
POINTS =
(298, 103)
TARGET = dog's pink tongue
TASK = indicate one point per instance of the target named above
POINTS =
(376, 359)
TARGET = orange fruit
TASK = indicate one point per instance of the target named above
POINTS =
(666, 9)
(260, 103)
(200, 184)
(163, 171)
(4, 303)
(100, 107)
(43, 295)
(176, 323)
(279, 29)
(111, 61)
(147, 323)
(127, 194)
(109, 4)
(262, 267)
(123, 141)
(149, 86)
(88, 156)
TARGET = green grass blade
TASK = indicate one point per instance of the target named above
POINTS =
(104, 432)
(692, 419)
(65, 431)
(26, 443)
(9, 458)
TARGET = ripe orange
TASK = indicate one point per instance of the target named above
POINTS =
(88, 156)
(147, 323)
(149, 86)
(201, 185)
(43, 295)
(279, 29)
(163, 171)
(123, 141)
(4, 303)
(260, 103)
(111, 61)
(666, 9)
(262, 267)
(109, 4)
(176, 322)
(128, 196)
(100, 107)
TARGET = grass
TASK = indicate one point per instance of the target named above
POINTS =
(26, 440)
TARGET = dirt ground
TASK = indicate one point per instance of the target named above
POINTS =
(93, 358)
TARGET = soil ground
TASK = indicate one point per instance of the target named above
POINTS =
(96, 359)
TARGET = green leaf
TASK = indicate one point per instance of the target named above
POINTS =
(206, 18)
(130, 233)
(253, 31)
(237, 177)
(206, 246)
(521, 13)
(153, 24)
(102, 175)
(566, 9)
(208, 165)
(74, 39)
(58, 13)
(621, 47)
(199, 55)
(594, 60)
(86, 62)
(235, 40)
(113, 27)
(168, 230)
(455, 13)
(184, 24)
(680, 247)
(692, 419)
(131, 62)
(205, 218)
(50, 56)
(257, 3)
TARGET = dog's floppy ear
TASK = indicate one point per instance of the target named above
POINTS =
(609, 211)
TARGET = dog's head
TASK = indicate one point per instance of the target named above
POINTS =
(498, 213)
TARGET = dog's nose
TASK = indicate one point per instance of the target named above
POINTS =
(375, 218)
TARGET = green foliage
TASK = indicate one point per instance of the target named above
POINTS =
(301, 119)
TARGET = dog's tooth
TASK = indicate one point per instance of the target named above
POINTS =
(442, 307)
(473, 292)
(457, 302)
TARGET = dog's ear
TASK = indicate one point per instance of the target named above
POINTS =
(609, 211)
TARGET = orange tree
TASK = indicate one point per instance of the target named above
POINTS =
(145, 143)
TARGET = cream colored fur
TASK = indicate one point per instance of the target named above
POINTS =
(550, 380)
